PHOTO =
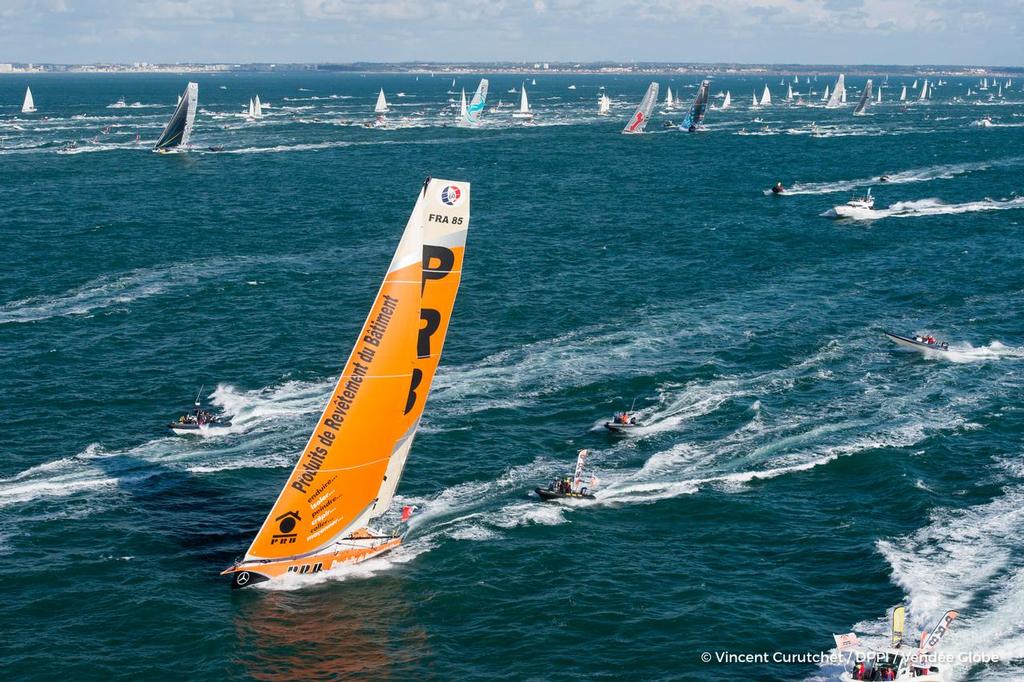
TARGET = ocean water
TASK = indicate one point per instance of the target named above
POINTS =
(798, 474)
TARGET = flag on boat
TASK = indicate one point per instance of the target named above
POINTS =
(897, 618)
(847, 641)
(941, 628)
(578, 477)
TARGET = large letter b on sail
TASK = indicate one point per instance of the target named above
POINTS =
(414, 382)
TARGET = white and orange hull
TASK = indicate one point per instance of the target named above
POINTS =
(353, 551)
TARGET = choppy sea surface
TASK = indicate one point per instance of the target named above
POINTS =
(797, 474)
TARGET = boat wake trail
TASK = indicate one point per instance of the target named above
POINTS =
(926, 174)
(931, 207)
(972, 560)
(967, 353)
(111, 290)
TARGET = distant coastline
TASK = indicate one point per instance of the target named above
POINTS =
(536, 68)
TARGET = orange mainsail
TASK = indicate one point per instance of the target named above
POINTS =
(349, 469)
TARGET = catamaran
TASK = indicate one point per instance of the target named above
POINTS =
(638, 121)
(838, 93)
(330, 511)
(697, 109)
(470, 116)
(766, 97)
(865, 100)
(524, 106)
(604, 105)
(29, 105)
(179, 129)
(901, 660)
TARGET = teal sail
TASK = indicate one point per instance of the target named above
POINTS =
(697, 109)
(471, 115)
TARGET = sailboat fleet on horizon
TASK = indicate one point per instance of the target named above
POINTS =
(177, 133)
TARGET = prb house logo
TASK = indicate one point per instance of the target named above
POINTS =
(451, 195)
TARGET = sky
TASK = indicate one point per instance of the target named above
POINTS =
(981, 32)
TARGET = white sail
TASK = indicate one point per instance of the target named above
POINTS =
(727, 101)
(924, 91)
(824, 97)
(604, 104)
(754, 101)
(257, 108)
(838, 93)
(29, 105)
(638, 121)
(382, 104)
(879, 99)
(462, 106)
(914, 86)
(533, 81)
(251, 111)
(865, 100)
(766, 97)
(669, 103)
(524, 105)
(903, 94)
(1000, 93)
(789, 93)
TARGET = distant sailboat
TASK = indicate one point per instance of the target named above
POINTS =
(824, 98)
(471, 114)
(331, 510)
(914, 86)
(865, 100)
(524, 105)
(604, 105)
(462, 106)
(1000, 93)
(257, 107)
(728, 100)
(533, 82)
(382, 103)
(29, 105)
(879, 99)
(669, 102)
(638, 121)
(789, 93)
(924, 92)
(178, 130)
(251, 111)
(838, 93)
(903, 94)
(697, 109)
(766, 97)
